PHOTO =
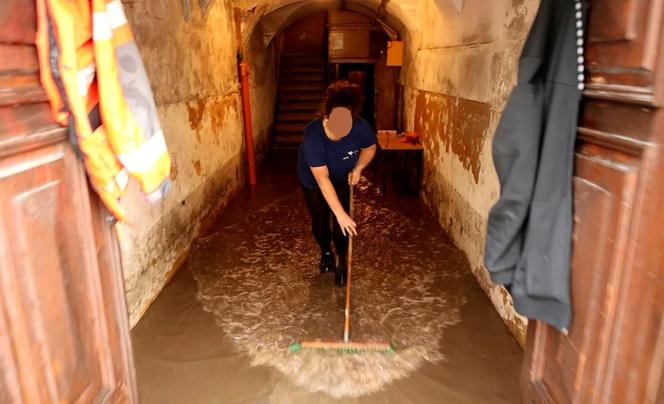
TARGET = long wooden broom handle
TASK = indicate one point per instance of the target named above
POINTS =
(349, 265)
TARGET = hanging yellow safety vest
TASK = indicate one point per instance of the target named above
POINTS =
(94, 77)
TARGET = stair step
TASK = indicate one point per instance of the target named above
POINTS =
(303, 86)
(303, 59)
(288, 141)
(290, 70)
(294, 54)
(289, 137)
(303, 90)
(303, 63)
(300, 98)
(285, 146)
(304, 78)
(310, 96)
(302, 106)
(297, 127)
(296, 116)
(299, 76)
(313, 96)
(290, 134)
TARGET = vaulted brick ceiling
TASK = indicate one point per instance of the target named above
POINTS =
(274, 15)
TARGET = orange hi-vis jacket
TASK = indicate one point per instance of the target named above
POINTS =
(96, 83)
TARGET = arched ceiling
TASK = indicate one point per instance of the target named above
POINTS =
(396, 16)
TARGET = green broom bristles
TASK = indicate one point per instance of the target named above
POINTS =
(344, 347)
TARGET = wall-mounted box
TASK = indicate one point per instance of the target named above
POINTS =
(394, 53)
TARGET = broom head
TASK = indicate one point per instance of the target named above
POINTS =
(341, 346)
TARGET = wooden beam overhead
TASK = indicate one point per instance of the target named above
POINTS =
(380, 9)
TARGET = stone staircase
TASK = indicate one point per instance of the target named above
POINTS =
(301, 87)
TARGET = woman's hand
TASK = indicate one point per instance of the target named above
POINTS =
(355, 175)
(347, 224)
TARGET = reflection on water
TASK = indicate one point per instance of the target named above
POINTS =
(259, 278)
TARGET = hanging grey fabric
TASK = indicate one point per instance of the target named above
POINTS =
(529, 235)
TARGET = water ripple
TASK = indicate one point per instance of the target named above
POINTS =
(259, 278)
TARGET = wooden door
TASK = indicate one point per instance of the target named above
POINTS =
(385, 94)
(615, 350)
(64, 333)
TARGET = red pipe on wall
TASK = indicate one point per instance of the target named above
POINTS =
(248, 129)
(243, 70)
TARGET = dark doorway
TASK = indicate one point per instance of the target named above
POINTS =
(362, 74)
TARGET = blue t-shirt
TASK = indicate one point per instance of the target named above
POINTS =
(339, 156)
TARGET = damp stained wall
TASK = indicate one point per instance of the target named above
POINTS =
(192, 69)
(456, 81)
(263, 81)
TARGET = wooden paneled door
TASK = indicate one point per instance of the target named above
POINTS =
(385, 94)
(615, 350)
(64, 332)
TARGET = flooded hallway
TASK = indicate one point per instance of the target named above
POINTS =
(250, 281)
(165, 167)
(219, 330)
(449, 89)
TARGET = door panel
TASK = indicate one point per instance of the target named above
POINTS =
(636, 351)
(568, 367)
(623, 52)
(614, 352)
(114, 303)
(64, 333)
(618, 21)
(18, 21)
(386, 85)
(50, 297)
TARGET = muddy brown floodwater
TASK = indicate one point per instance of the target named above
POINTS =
(219, 332)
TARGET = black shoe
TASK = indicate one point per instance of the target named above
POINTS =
(326, 262)
(341, 273)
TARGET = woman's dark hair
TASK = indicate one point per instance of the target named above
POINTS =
(342, 93)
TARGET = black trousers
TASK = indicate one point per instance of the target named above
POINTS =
(320, 218)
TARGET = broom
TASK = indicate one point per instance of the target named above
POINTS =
(345, 345)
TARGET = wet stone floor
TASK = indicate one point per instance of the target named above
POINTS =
(220, 330)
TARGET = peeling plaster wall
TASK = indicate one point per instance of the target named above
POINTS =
(192, 69)
(456, 81)
(263, 82)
